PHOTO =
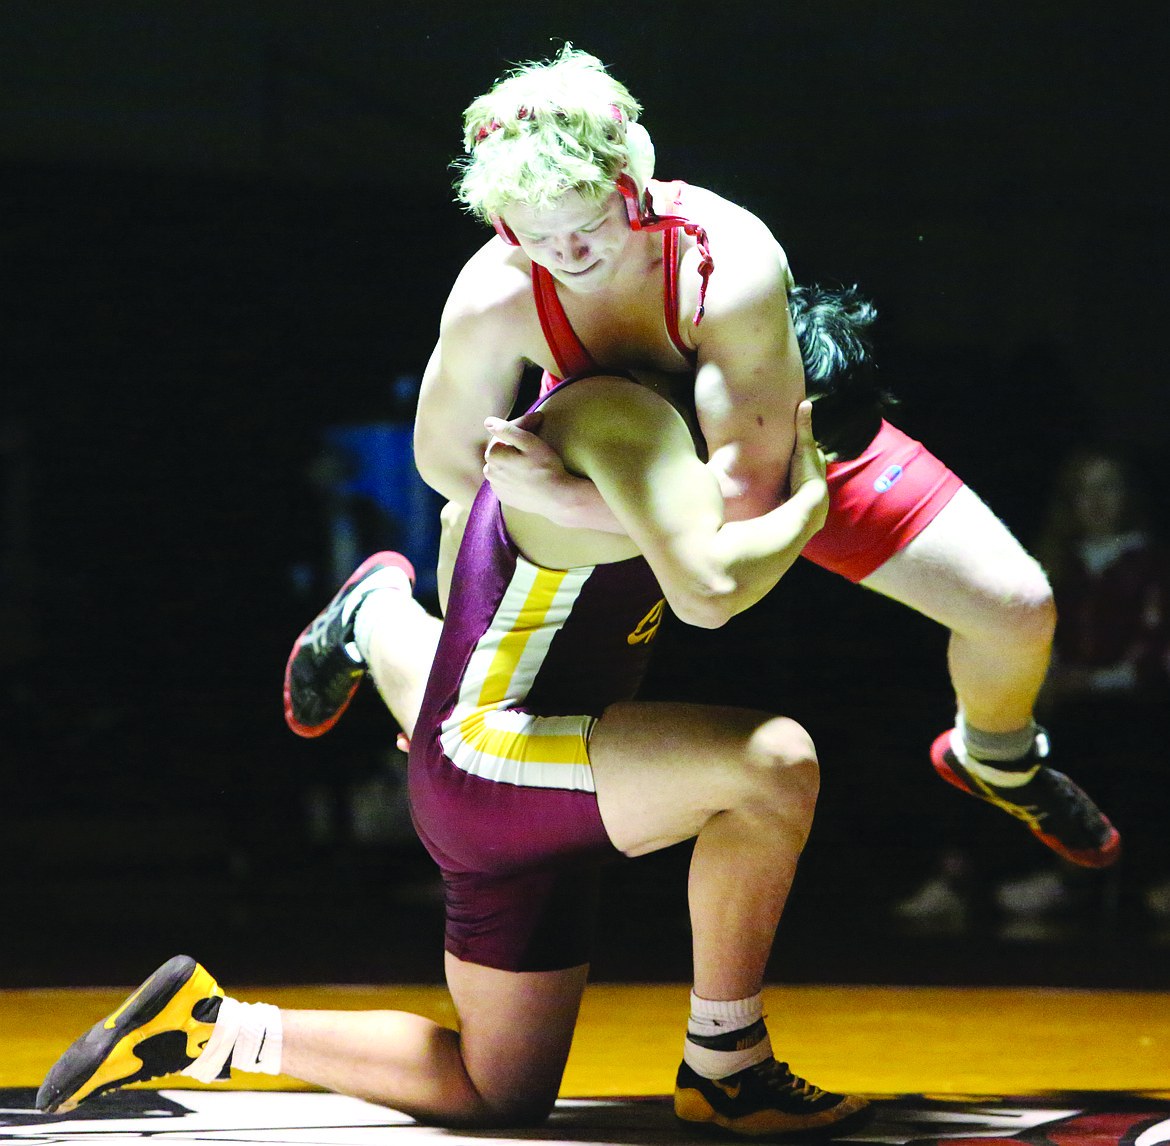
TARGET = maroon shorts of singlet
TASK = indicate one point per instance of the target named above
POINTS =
(521, 867)
(879, 502)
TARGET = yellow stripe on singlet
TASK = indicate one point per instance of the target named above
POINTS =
(510, 652)
(490, 739)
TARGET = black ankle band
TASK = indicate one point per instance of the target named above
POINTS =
(732, 1040)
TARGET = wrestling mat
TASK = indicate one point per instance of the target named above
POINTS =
(171, 1117)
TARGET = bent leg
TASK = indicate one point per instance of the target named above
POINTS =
(516, 1028)
(503, 1067)
(452, 523)
(966, 571)
(400, 651)
(743, 783)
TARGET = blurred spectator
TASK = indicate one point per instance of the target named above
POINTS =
(1111, 576)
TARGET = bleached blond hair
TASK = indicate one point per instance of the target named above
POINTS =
(547, 128)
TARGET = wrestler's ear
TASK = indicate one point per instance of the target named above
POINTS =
(504, 231)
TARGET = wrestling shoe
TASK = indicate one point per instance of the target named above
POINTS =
(160, 1029)
(763, 1099)
(325, 667)
(1055, 810)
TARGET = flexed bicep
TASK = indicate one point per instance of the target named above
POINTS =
(460, 389)
(748, 384)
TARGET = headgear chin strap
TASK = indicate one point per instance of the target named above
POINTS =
(505, 232)
(643, 217)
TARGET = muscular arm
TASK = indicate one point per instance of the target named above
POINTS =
(473, 373)
(749, 380)
(638, 452)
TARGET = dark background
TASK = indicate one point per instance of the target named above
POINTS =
(228, 225)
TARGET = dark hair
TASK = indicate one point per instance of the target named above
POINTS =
(832, 329)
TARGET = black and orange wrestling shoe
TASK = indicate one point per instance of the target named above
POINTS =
(1055, 810)
(325, 668)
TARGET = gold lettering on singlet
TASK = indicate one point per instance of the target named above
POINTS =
(647, 626)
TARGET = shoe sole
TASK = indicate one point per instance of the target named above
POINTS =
(311, 731)
(1104, 855)
(691, 1107)
(104, 1057)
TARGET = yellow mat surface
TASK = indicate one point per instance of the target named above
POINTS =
(870, 1040)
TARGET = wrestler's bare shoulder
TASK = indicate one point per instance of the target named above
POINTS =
(493, 287)
(748, 259)
(721, 216)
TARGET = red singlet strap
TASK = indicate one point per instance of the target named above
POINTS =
(568, 350)
(648, 220)
(670, 275)
(670, 292)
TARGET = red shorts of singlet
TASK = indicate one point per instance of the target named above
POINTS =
(879, 502)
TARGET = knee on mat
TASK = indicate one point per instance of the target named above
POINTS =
(514, 1114)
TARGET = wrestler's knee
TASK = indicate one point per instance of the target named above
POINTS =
(1025, 611)
(783, 764)
(518, 1111)
(1040, 604)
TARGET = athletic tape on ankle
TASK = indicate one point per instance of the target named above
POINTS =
(207, 1067)
(997, 777)
(250, 1034)
(719, 1064)
(260, 1041)
(370, 603)
(996, 747)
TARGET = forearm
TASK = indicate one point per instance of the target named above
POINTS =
(755, 554)
(639, 452)
(749, 492)
(574, 502)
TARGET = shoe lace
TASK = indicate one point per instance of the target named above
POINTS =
(777, 1074)
(1031, 814)
(1062, 797)
(345, 605)
(318, 633)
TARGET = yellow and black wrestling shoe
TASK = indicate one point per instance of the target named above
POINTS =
(765, 1099)
(160, 1029)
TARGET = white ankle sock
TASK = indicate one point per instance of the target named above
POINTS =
(249, 1034)
(716, 1016)
(979, 752)
(713, 1019)
(367, 610)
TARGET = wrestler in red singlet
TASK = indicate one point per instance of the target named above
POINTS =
(878, 501)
